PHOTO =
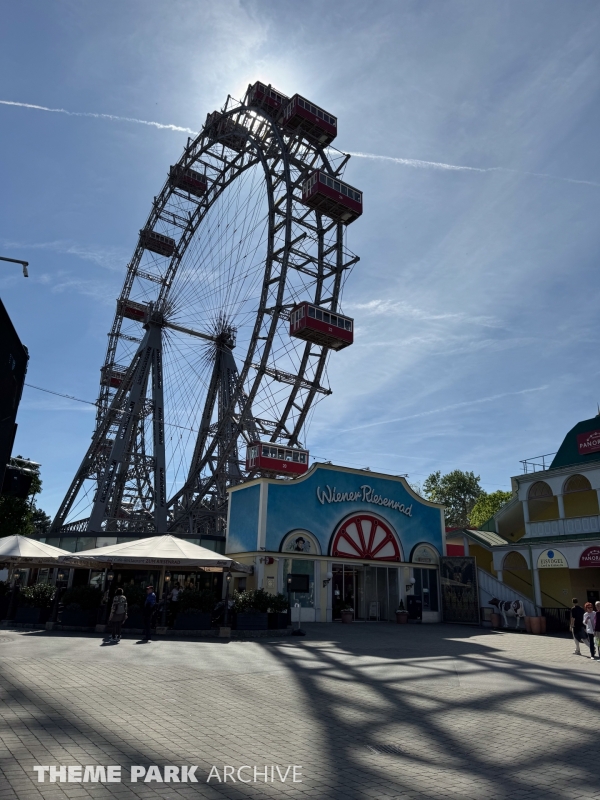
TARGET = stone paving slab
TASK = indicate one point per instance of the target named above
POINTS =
(367, 711)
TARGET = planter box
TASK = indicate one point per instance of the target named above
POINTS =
(278, 620)
(79, 619)
(186, 621)
(32, 616)
(135, 619)
(347, 617)
(402, 617)
(252, 622)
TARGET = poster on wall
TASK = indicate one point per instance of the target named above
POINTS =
(460, 597)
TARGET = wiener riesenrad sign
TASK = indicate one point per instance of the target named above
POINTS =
(365, 494)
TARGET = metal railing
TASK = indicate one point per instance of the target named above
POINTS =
(537, 463)
(557, 619)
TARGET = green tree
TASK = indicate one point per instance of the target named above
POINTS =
(20, 515)
(487, 505)
(457, 491)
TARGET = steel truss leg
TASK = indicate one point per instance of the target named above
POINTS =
(108, 498)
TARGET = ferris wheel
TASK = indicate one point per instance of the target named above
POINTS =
(229, 310)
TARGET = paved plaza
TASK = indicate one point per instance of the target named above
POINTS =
(367, 710)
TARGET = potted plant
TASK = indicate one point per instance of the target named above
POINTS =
(34, 603)
(401, 614)
(347, 613)
(195, 611)
(251, 610)
(80, 606)
(278, 615)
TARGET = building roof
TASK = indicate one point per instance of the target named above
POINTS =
(568, 453)
(487, 538)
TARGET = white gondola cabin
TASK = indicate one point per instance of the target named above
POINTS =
(261, 96)
(157, 242)
(303, 116)
(188, 179)
(314, 324)
(332, 197)
(276, 458)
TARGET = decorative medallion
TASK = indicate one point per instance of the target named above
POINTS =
(365, 537)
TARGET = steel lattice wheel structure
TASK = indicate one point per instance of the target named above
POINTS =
(200, 360)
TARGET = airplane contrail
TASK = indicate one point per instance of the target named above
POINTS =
(463, 404)
(415, 163)
(111, 117)
(418, 164)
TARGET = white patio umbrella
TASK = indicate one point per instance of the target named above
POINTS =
(17, 549)
(156, 551)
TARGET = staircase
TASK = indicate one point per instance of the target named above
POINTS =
(490, 587)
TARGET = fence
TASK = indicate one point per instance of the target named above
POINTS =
(557, 619)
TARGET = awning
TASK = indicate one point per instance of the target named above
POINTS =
(155, 551)
(17, 549)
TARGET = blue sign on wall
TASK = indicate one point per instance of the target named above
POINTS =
(349, 513)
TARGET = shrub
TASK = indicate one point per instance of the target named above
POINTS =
(279, 603)
(136, 597)
(85, 598)
(259, 600)
(4, 588)
(38, 596)
(202, 601)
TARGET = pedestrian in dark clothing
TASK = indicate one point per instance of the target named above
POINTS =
(577, 627)
(118, 614)
(148, 611)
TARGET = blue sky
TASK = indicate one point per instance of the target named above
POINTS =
(475, 297)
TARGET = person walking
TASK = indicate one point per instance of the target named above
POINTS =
(148, 611)
(577, 628)
(589, 620)
(597, 626)
(174, 597)
(118, 614)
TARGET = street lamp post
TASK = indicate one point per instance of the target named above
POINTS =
(24, 264)
(226, 618)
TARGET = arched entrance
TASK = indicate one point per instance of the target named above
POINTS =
(371, 591)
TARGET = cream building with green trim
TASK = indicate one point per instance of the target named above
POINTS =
(545, 542)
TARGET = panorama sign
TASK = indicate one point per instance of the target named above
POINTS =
(588, 442)
(590, 557)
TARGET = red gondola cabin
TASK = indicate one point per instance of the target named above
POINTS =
(314, 324)
(266, 97)
(270, 457)
(302, 116)
(223, 129)
(132, 310)
(188, 179)
(331, 197)
(113, 376)
(151, 240)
